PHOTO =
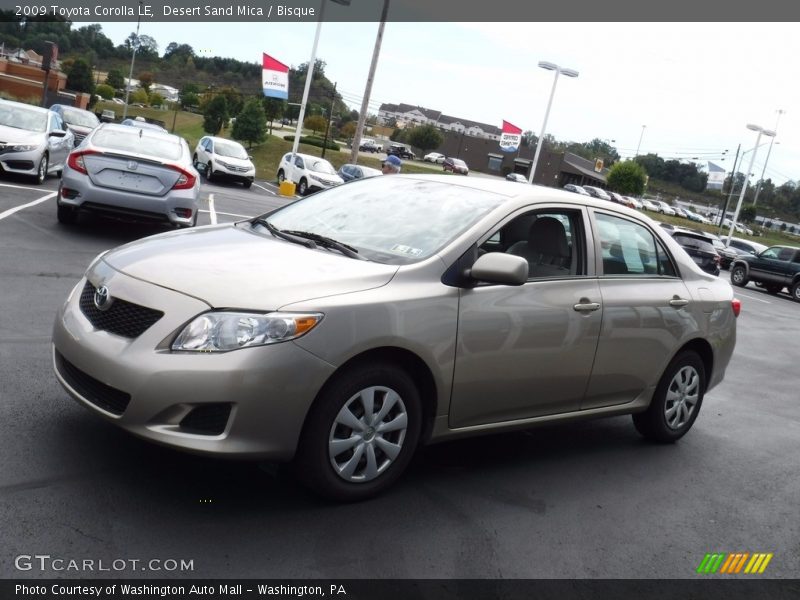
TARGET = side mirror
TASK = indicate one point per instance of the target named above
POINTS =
(58, 133)
(498, 267)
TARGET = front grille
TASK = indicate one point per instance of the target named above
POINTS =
(208, 419)
(98, 393)
(122, 318)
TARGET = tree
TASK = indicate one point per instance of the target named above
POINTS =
(273, 109)
(139, 97)
(145, 80)
(115, 79)
(155, 99)
(182, 51)
(426, 138)
(315, 123)
(188, 95)
(348, 130)
(106, 91)
(234, 99)
(216, 115)
(528, 139)
(747, 214)
(627, 178)
(251, 123)
(80, 77)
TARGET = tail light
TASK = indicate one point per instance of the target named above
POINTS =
(75, 160)
(185, 181)
(717, 259)
(736, 305)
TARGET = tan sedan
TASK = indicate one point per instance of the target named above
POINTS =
(342, 331)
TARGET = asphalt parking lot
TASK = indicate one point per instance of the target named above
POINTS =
(577, 501)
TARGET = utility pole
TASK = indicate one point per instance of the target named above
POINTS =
(730, 194)
(362, 116)
(133, 58)
(330, 118)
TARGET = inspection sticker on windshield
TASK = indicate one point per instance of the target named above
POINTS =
(407, 250)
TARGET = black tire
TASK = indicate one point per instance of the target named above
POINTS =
(774, 289)
(739, 275)
(209, 172)
(41, 172)
(314, 465)
(281, 177)
(795, 291)
(247, 184)
(680, 393)
(302, 187)
(66, 214)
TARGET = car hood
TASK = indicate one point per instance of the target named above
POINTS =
(236, 162)
(230, 266)
(19, 136)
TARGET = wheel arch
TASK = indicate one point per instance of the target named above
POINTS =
(706, 353)
(409, 362)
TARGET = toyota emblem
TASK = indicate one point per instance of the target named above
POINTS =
(102, 299)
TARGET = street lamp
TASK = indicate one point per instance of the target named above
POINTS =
(761, 131)
(639, 145)
(133, 58)
(764, 170)
(559, 71)
(309, 77)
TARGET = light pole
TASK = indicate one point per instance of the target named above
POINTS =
(559, 71)
(309, 77)
(764, 170)
(761, 131)
(639, 145)
(133, 58)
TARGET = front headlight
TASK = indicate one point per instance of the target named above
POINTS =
(24, 147)
(224, 331)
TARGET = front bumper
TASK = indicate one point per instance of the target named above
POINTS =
(21, 163)
(268, 390)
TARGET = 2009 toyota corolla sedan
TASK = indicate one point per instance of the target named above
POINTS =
(345, 329)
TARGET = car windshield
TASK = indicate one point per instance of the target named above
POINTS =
(23, 118)
(138, 141)
(82, 118)
(391, 220)
(321, 166)
(230, 149)
(460, 163)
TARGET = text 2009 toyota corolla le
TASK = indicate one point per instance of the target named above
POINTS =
(343, 330)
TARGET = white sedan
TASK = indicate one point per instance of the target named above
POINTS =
(434, 157)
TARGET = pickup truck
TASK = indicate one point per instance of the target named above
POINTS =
(400, 151)
(369, 146)
(774, 269)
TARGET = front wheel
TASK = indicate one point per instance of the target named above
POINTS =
(247, 184)
(41, 172)
(676, 401)
(302, 187)
(209, 171)
(281, 177)
(360, 434)
(739, 276)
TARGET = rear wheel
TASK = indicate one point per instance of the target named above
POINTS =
(360, 434)
(739, 275)
(66, 214)
(795, 291)
(676, 401)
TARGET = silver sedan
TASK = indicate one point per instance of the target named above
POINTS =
(343, 330)
(130, 173)
(33, 141)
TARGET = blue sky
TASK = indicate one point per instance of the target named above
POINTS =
(695, 86)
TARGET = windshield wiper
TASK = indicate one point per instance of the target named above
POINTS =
(327, 242)
(284, 235)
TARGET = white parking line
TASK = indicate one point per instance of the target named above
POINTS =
(11, 211)
(228, 214)
(749, 297)
(211, 213)
(263, 188)
(19, 187)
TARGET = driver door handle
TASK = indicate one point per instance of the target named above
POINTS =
(586, 306)
(678, 302)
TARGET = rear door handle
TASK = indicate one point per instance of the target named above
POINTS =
(678, 302)
(586, 306)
